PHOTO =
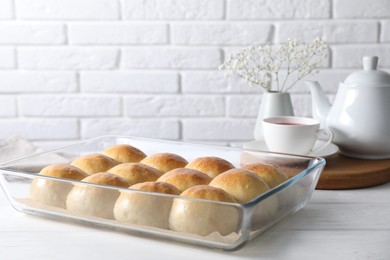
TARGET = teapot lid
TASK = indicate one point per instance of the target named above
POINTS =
(369, 75)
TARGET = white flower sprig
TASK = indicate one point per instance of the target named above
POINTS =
(261, 65)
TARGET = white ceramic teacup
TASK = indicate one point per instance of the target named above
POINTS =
(295, 135)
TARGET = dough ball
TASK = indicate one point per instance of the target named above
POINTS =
(124, 153)
(204, 217)
(136, 172)
(272, 175)
(165, 161)
(183, 178)
(94, 163)
(54, 192)
(212, 166)
(144, 208)
(245, 186)
(95, 201)
(242, 184)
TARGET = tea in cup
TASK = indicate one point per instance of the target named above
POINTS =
(294, 135)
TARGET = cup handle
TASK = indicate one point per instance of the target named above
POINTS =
(329, 134)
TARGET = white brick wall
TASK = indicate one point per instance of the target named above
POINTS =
(7, 58)
(76, 69)
(6, 10)
(171, 58)
(68, 10)
(99, 33)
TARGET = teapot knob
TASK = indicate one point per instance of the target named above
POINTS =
(370, 62)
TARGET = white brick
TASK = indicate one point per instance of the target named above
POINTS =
(385, 31)
(117, 33)
(42, 129)
(6, 10)
(361, 8)
(173, 9)
(129, 82)
(351, 56)
(67, 58)
(221, 33)
(214, 82)
(330, 31)
(31, 33)
(28, 81)
(7, 58)
(281, 9)
(171, 58)
(8, 106)
(70, 9)
(69, 105)
(151, 128)
(218, 129)
(243, 105)
(174, 106)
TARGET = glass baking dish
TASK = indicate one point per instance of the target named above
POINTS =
(250, 219)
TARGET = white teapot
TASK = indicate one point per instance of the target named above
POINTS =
(360, 115)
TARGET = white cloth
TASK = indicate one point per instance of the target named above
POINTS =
(16, 147)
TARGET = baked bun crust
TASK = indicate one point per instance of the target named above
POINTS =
(94, 163)
(242, 184)
(245, 185)
(183, 178)
(53, 192)
(124, 153)
(272, 175)
(65, 171)
(165, 162)
(212, 166)
(143, 208)
(202, 217)
(208, 192)
(135, 172)
(95, 201)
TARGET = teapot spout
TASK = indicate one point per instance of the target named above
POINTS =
(320, 104)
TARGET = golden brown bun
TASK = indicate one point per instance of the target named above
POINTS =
(203, 218)
(207, 192)
(183, 178)
(242, 184)
(165, 161)
(124, 153)
(155, 186)
(94, 163)
(136, 172)
(145, 209)
(95, 201)
(53, 192)
(106, 178)
(212, 166)
(63, 171)
(272, 175)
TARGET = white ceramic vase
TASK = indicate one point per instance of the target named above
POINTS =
(272, 104)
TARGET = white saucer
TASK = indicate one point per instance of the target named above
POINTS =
(324, 152)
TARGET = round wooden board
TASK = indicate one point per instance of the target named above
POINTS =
(342, 172)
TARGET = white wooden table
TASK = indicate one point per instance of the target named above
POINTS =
(350, 224)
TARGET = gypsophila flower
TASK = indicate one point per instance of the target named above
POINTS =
(261, 65)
